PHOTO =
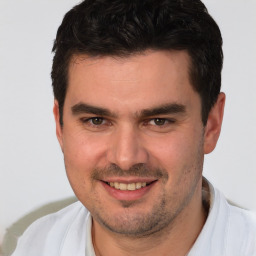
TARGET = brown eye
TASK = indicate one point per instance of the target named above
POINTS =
(97, 120)
(159, 121)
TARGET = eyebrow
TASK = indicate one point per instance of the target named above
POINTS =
(173, 108)
(83, 108)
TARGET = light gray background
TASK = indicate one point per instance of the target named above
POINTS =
(31, 164)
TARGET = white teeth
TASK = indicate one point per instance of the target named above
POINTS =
(116, 185)
(130, 186)
(123, 186)
(138, 185)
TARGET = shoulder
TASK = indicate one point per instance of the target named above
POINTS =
(49, 231)
(241, 229)
(228, 230)
(56, 221)
(238, 227)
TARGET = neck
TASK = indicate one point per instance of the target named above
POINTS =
(175, 240)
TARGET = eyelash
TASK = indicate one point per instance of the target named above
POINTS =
(147, 122)
(91, 119)
(165, 120)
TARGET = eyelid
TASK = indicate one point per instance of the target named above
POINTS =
(88, 120)
(107, 122)
(168, 120)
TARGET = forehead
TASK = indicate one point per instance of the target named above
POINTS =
(149, 78)
(133, 64)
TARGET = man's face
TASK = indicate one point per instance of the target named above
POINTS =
(133, 139)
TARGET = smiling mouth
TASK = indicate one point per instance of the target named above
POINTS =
(129, 186)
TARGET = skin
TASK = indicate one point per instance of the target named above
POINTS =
(116, 128)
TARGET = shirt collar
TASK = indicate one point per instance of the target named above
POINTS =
(89, 246)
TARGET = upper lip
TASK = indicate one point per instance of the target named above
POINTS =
(128, 180)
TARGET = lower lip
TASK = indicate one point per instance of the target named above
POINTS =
(128, 195)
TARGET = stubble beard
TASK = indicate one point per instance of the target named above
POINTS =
(134, 222)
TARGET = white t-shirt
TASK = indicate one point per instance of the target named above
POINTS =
(228, 231)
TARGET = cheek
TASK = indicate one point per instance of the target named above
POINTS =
(80, 148)
(175, 153)
(81, 154)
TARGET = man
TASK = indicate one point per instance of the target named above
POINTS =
(137, 105)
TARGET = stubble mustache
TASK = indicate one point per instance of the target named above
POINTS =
(138, 170)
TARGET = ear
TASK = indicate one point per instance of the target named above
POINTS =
(213, 126)
(59, 131)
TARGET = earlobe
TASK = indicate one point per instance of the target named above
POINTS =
(213, 126)
(56, 114)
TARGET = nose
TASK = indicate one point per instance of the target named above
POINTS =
(126, 148)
